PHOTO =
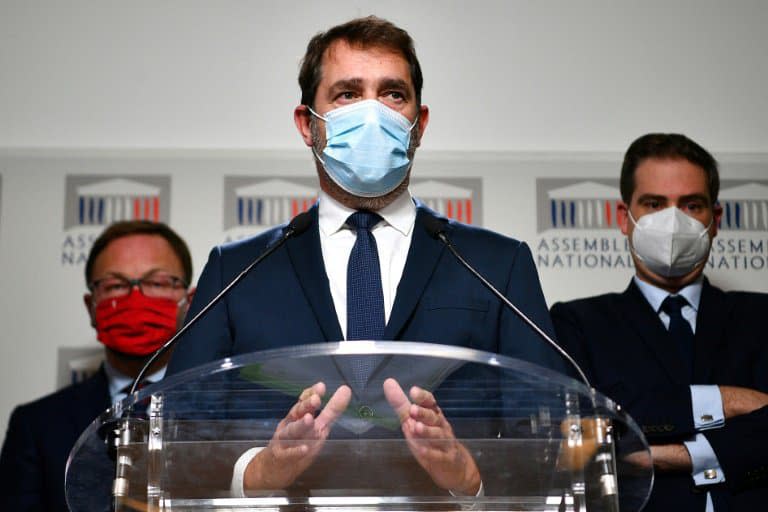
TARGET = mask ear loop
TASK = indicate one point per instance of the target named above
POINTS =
(315, 113)
(314, 151)
(631, 242)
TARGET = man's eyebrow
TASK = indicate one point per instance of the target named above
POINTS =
(346, 83)
(658, 197)
(394, 83)
(695, 197)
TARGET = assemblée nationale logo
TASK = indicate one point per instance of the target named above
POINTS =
(92, 202)
(254, 204)
(456, 198)
(576, 222)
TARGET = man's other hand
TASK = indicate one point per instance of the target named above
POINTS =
(431, 439)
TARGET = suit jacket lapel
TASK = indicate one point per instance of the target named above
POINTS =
(307, 260)
(710, 327)
(423, 256)
(94, 400)
(645, 321)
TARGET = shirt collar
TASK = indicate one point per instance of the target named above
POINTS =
(119, 381)
(400, 214)
(655, 296)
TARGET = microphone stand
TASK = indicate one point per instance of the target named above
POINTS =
(606, 456)
(120, 438)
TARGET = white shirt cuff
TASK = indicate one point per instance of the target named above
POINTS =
(480, 492)
(706, 467)
(707, 407)
(238, 474)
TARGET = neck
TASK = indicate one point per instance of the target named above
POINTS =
(130, 366)
(670, 284)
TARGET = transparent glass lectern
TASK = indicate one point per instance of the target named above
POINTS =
(539, 440)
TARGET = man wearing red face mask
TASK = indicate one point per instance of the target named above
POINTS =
(137, 275)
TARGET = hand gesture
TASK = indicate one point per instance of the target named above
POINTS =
(431, 439)
(297, 440)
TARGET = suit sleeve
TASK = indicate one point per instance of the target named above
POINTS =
(570, 337)
(21, 466)
(524, 291)
(663, 410)
(742, 450)
(210, 339)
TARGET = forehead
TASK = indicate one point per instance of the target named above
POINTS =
(135, 255)
(342, 61)
(670, 178)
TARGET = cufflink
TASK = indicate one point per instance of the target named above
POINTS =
(710, 474)
(706, 418)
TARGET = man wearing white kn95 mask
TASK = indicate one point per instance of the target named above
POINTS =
(687, 360)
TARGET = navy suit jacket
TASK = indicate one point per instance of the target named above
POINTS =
(39, 438)
(287, 300)
(628, 355)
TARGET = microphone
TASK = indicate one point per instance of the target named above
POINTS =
(121, 436)
(297, 226)
(435, 226)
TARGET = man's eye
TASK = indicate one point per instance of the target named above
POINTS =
(156, 283)
(346, 96)
(653, 203)
(694, 207)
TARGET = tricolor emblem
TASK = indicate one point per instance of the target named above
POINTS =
(99, 201)
(266, 202)
(745, 205)
(454, 198)
(584, 204)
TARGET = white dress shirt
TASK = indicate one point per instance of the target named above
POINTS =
(393, 240)
(118, 382)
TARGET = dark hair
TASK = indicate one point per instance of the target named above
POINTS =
(365, 33)
(667, 146)
(140, 227)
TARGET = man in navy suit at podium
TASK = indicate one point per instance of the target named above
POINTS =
(688, 361)
(366, 267)
(137, 274)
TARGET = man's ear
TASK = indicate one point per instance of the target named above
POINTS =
(190, 295)
(302, 118)
(422, 122)
(89, 306)
(717, 215)
(181, 314)
(622, 217)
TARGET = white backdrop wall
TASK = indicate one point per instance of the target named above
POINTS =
(532, 105)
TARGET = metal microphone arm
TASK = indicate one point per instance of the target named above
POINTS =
(443, 238)
(605, 437)
(119, 438)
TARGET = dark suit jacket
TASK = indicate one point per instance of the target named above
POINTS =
(628, 355)
(287, 300)
(39, 438)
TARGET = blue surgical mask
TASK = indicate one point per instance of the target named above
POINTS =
(366, 149)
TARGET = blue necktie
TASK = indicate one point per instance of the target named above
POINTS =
(365, 297)
(679, 329)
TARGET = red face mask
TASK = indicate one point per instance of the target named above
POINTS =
(135, 324)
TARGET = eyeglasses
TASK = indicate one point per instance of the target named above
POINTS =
(156, 284)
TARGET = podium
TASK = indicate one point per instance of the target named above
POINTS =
(540, 440)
